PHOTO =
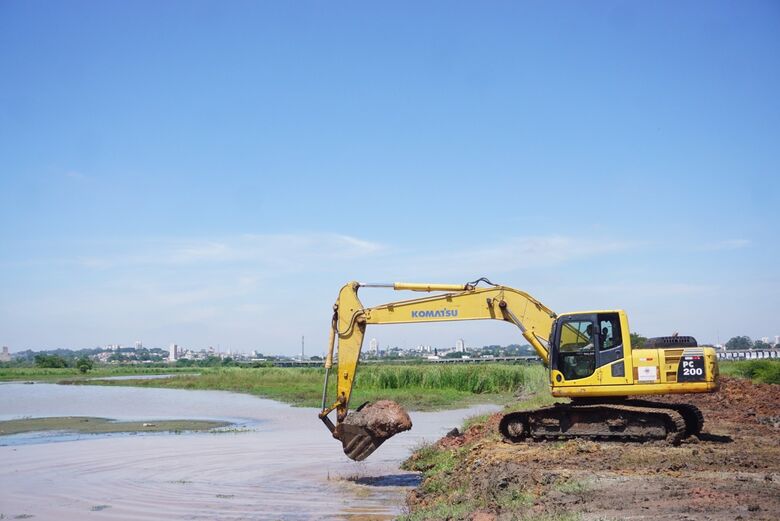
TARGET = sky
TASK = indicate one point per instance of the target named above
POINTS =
(211, 173)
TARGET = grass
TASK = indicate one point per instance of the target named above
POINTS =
(418, 387)
(45, 374)
(91, 425)
(763, 371)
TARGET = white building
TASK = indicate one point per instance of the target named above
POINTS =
(373, 345)
(5, 356)
(460, 346)
(173, 352)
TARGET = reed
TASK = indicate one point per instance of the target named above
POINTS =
(421, 387)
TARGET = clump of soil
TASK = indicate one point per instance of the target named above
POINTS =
(731, 471)
(382, 418)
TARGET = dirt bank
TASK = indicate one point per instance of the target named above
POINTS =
(731, 472)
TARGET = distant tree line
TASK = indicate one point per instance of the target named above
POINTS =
(744, 342)
(49, 361)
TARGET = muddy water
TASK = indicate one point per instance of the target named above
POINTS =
(281, 464)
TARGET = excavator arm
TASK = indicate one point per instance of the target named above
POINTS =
(460, 302)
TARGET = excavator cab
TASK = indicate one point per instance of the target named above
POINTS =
(591, 355)
(582, 342)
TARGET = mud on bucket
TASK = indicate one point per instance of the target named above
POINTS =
(365, 429)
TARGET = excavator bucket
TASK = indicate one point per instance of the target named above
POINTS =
(368, 427)
(358, 442)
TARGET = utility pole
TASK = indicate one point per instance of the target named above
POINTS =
(302, 348)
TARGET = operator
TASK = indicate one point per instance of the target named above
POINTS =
(589, 333)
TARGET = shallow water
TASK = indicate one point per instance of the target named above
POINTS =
(281, 465)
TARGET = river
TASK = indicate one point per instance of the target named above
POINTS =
(280, 463)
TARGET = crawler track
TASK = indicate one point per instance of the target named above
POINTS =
(628, 420)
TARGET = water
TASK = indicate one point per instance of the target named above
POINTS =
(282, 465)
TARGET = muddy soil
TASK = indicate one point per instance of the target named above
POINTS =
(382, 418)
(732, 471)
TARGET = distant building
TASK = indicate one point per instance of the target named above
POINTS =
(173, 353)
(5, 356)
(373, 346)
(139, 345)
(460, 346)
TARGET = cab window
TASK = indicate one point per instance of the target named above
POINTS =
(577, 351)
(610, 338)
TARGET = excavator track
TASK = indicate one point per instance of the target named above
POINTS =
(694, 419)
(596, 421)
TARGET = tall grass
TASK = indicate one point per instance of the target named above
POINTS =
(416, 386)
(765, 371)
(475, 379)
(40, 373)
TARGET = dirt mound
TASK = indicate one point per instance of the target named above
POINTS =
(738, 401)
(383, 418)
(732, 471)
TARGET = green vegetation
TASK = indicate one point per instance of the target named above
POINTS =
(84, 364)
(418, 387)
(763, 371)
(102, 425)
(637, 340)
(60, 373)
(739, 342)
(50, 361)
(745, 342)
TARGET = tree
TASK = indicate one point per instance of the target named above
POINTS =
(84, 364)
(637, 341)
(50, 361)
(760, 344)
(739, 342)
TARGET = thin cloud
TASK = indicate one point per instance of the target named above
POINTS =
(280, 251)
(650, 289)
(725, 245)
(515, 254)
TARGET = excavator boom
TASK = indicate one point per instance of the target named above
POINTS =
(460, 302)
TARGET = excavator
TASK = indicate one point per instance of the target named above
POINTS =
(588, 355)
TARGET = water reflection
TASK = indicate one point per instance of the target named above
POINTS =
(285, 467)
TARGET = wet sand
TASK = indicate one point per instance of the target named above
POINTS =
(282, 466)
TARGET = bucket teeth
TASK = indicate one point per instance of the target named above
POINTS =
(358, 443)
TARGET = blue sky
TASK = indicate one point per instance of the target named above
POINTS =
(210, 173)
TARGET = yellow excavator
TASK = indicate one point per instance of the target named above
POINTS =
(588, 355)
